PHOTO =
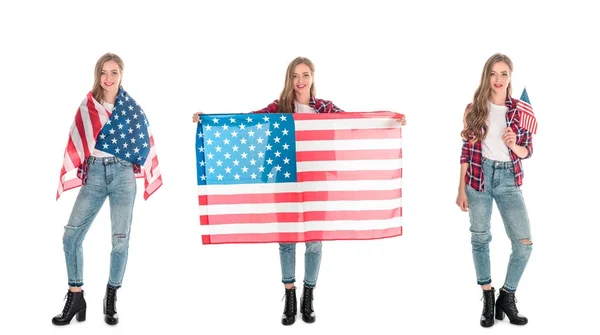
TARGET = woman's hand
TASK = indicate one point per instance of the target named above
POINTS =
(461, 201)
(196, 117)
(402, 121)
(509, 138)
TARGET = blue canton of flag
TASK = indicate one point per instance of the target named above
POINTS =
(125, 134)
(525, 97)
(246, 149)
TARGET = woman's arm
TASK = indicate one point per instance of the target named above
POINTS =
(461, 198)
(271, 108)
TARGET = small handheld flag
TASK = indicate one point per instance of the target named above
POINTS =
(527, 120)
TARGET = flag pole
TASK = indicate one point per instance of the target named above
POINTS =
(512, 117)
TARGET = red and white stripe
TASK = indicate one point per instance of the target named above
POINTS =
(528, 120)
(89, 120)
(349, 186)
(151, 171)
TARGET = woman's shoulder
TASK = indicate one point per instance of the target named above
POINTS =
(325, 106)
(322, 101)
(512, 102)
(271, 108)
(274, 103)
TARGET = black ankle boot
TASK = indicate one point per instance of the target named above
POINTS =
(487, 316)
(74, 306)
(506, 303)
(290, 310)
(110, 308)
(306, 307)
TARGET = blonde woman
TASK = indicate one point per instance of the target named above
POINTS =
(491, 170)
(299, 96)
(109, 143)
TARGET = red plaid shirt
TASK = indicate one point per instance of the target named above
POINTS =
(320, 106)
(472, 153)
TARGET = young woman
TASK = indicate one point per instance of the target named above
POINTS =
(299, 96)
(491, 170)
(109, 141)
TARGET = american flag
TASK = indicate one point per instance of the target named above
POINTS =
(124, 133)
(528, 120)
(299, 177)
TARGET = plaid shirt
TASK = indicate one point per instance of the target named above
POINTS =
(320, 106)
(472, 153)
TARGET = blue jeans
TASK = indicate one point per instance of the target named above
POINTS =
(499, 179)
(312, 262)
(107, 177)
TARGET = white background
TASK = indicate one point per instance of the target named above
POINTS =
(421, 58)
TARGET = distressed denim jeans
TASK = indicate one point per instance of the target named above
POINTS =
(107, 177)
(312, 262)
(499, 185)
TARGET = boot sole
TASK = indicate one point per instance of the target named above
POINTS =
(500, 314)
(112, 323)
(64, 323)
(288, 324)
(518, 323)
(79, 316)
(309, 321)
(486, 326)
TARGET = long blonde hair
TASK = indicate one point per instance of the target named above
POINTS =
(287, 97)
(476, 115)
(97, 90)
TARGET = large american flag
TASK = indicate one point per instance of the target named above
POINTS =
(299, 177)
(124, 133)
(528, 120)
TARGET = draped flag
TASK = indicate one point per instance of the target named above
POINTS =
(299, 177)
(528, 120)
(124, 133)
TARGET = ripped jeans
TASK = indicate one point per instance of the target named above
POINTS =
(499, 185)
(109, 177)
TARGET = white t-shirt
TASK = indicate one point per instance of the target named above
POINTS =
(96, 152)
(303, 109)
(493, 147)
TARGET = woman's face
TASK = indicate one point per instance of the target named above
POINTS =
(302, 79)
(499, 77)
(110, 77)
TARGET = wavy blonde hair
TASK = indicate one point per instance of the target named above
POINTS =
(475, 127)
(287, 97)
(97, 90)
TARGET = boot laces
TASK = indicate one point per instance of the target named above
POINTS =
(488, 304)
(512, 303)
(69, 298)
(307, 300)
(110, 300)
(290, 301)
